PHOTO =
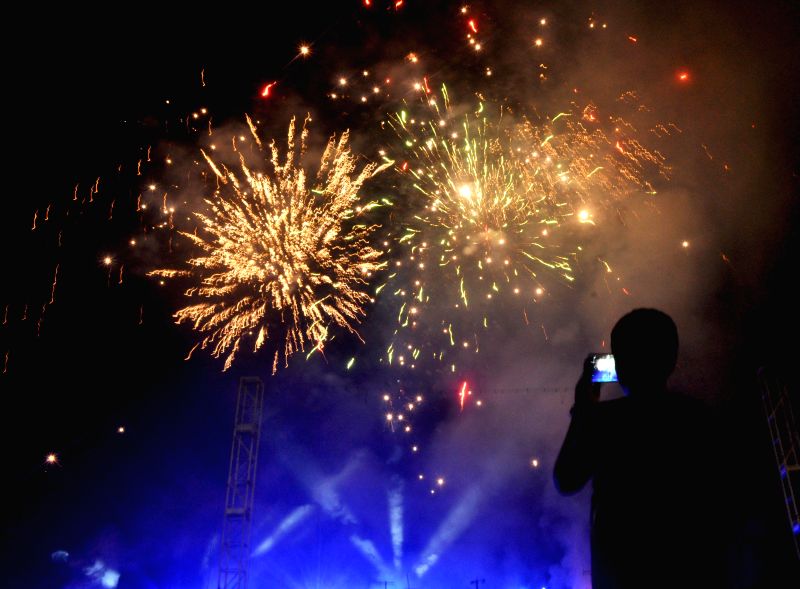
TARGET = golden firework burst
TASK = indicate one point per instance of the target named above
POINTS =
(282, 258)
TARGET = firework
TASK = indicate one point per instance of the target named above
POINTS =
(282, 258)
(503, 202)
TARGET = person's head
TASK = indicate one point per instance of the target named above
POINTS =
(645, 347)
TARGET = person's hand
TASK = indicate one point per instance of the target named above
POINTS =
(586, 391)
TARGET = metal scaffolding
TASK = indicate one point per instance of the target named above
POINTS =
(235, 544)
(785, 443)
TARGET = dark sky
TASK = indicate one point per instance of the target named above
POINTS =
(85, 93)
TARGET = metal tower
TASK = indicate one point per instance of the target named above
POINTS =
(235, 544)
(785, 443)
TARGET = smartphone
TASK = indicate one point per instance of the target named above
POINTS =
(604, 368)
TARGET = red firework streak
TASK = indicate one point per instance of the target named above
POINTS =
(462, 395)
(473, 25)
(266, 90)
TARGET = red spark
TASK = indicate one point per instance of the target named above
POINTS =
(683, 76)
(52, 291)
(618, 147)
(367, 3)
(462, 395)
(626, 291)
(633, 39)
(473, 25)
(404, 167)
(267, 88)
(398, 4)
(427, 89)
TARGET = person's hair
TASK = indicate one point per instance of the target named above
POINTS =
(645, 347)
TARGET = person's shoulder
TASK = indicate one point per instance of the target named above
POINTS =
(690, 409)
(687, 402)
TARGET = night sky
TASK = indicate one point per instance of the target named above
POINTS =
(87, 93)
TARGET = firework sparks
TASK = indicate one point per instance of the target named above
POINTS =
(282, 258)
(502, 202)
(462, 395)
(53, 289)
(265, 91)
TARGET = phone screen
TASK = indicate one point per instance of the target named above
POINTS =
(604, 368)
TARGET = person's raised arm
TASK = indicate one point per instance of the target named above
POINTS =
(574, 466)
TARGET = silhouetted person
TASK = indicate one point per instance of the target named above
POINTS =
(648, 456)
